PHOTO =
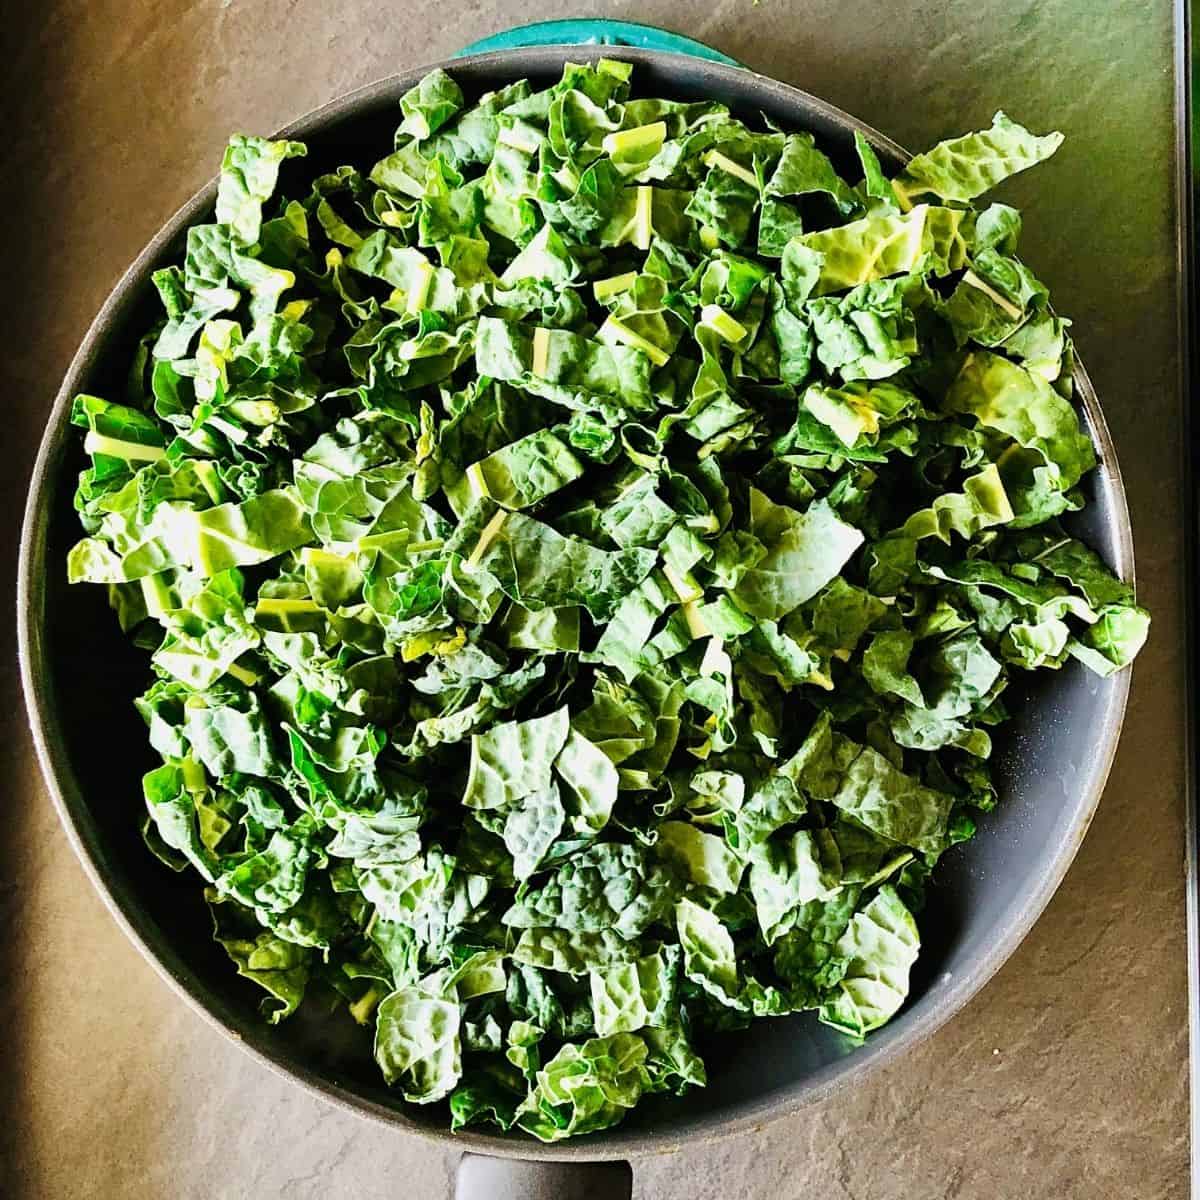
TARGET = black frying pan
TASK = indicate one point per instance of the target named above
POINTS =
(79, 675)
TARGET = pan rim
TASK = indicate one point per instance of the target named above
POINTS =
(620, 1142)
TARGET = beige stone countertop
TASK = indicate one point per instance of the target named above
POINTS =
(1067, 1076)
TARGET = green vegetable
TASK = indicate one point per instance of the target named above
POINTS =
(964, 168)
(880, 946)
(582, 557)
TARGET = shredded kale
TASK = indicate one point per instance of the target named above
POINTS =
(582, 558)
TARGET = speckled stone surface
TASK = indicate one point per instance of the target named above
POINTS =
(1067, 1076)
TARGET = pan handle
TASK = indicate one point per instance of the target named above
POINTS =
(484, 1178)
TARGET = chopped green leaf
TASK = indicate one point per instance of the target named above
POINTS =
(582, 559)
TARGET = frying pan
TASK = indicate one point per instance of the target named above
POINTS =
(79, 674)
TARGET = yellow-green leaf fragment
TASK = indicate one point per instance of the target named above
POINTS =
(715, 317)
(620, 332)
(714, 158)
(97, 443)
(614, 285)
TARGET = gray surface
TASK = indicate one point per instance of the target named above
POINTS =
(117, 1090)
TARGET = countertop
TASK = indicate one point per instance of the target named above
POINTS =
(1067, 1076)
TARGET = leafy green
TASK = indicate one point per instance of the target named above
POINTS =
(586, 1087)
(704, 858)
(803, 169)
(804, 551)
(964, 168)
(514, 760)
(417, 1043)
(1002, 395)
(581, 557)
(788, 873)
(881, 946)
(885, 244)
(628, 996)
(429, 105)
(709, 958)
(249, 172)
(528, 470)
(892, 804)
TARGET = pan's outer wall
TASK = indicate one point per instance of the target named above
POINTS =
(1010, 874)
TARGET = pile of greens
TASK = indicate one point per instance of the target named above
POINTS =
(582, 558)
